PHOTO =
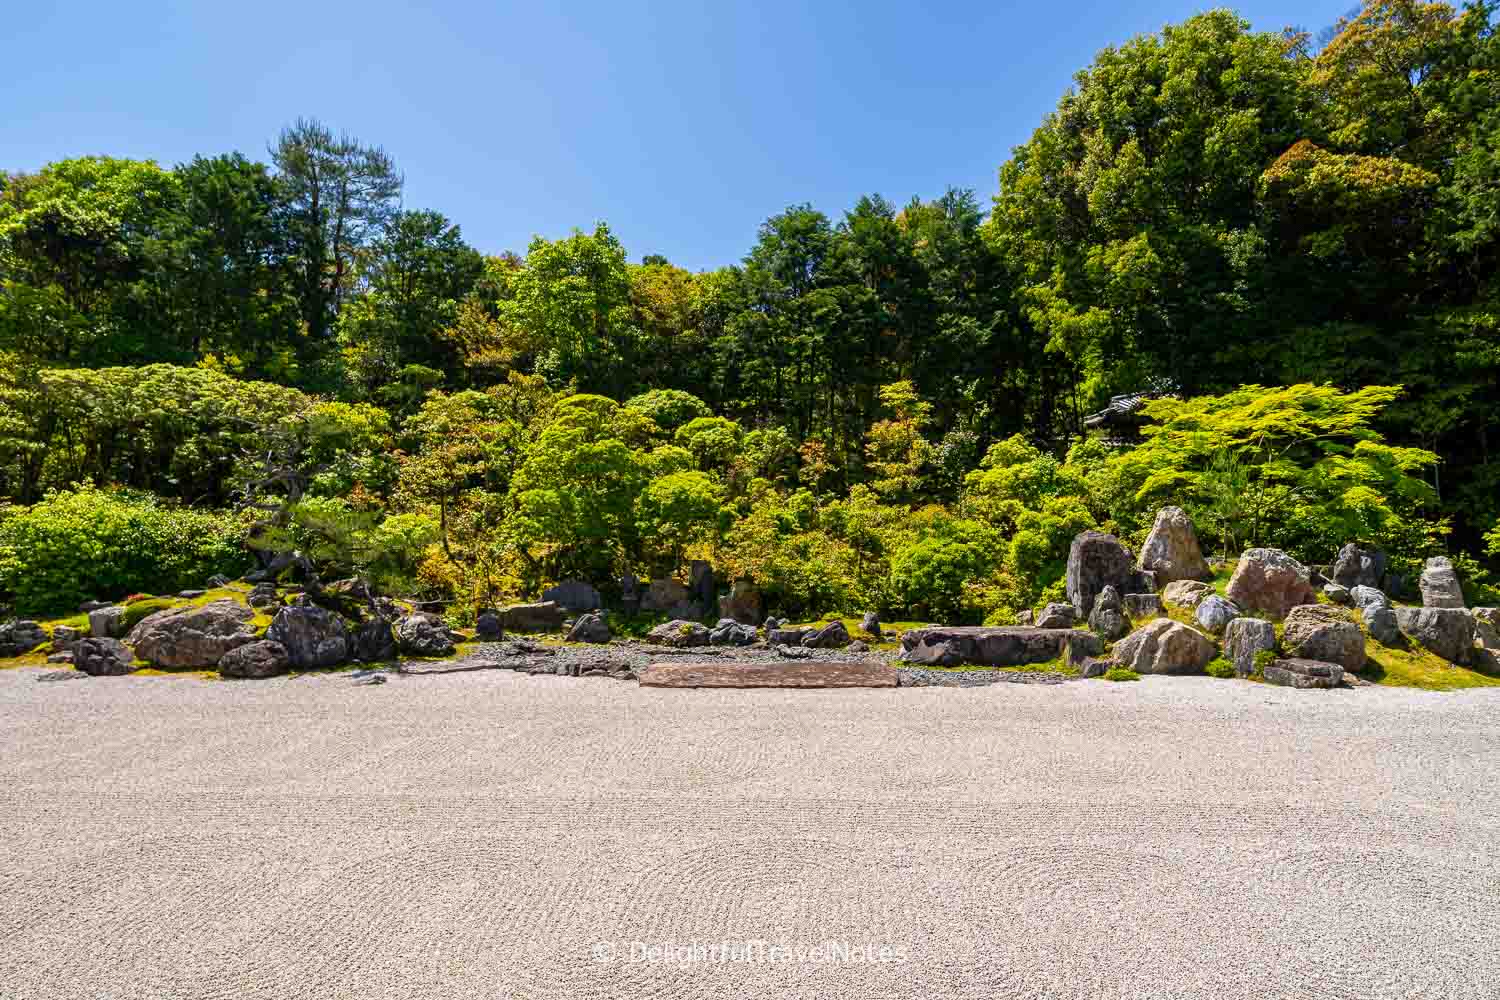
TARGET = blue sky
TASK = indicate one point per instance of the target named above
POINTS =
(683, 125)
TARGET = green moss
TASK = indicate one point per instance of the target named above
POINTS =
(1121, 674)
(1049, 667)
(139, 610)
(1420, 668)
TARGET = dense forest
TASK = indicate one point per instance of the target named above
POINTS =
(1287, 243)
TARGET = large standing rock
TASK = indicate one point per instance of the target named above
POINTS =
(266, 658)
(630, 594)
(1243, 638)
(1440, 586)
(1486, 627)
(488, 625)
(1096, 561)
(1324, 632)
(1214, 613)
(1271, 582)
(424, 635)
(831, 636)
(870, 624)
(574, 596)
(590, 628)
(1171, 550)
(703, 591)
(1006, 646)
(373, 642)
(1060, 615)
(545, 616)
(679, 632)
(107, 622)
(1186, 593)
(313, 637)
(741, 604)
(665, 595)
(1163, 646)
(21, 637)
(1382, 624)
(102, 657)
(1108, 620)
(1299, 673)
(1448, 632)
(193, 637)
(1138, 606)
(1357, 567)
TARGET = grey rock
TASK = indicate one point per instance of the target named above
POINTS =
(488, 625)
(107, 622)
(858, 646)
(1271, 582)
(782, 636)
(950, 645)
(1358, 567)
(1243, 638)
(263, 596)
(369, 680)
(218, 580)
(1027, 617)
(1448, 632)
(1171, 550)
(189, 595)
(102, 657)
(1095, 666)
(831, 636)
(53, 676)
(1440, 586)
(1326, 633)
(1163, 646)
(1186, 593)
(1486, 627)
(63, 657)
(1364, 597)
(590, 628)
(422, 634)
(679, 632)
(266, 658)
(870, 624)
(89, 606)
(1214, 613)
(664, 595)
(573, 596)
(732, 633)
(1302, 673)
(18, 638)
(193, 637)
(1108, 620)
(1058, 615)
(742, 603)
(1138, 606)
(373, 641)
(1382, 624)
(703, 591)
(1338, 594)
(63, 637)
(312, 637)
(544, 616)
(1096, 561)
(772, 624)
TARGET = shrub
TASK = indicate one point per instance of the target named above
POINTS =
(1121, 674)
(85, 543)
(929, 576)
(1219, 667)
(1263, 659)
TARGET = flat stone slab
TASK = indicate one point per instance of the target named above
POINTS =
(798, 674)
(996, 646)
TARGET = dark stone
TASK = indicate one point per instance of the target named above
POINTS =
(1096, 561)
(786, 636)
(574, 596)
(312, 636)
(732, 633)
(102, 657)
(20, 637)
(488, 625)
(1299, 673)
(545, 616)
(423, 635)
(679, 632)
(831, 636)
(266, 658)
(1358, 567)
(590, 628)
(703, 591)
(870, 624)
(1002, 646)
(372, 642)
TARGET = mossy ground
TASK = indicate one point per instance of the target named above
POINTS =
(1415, 667)
(1049, 667)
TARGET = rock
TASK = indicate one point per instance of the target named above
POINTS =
(1298, 673)
(545, 616)
(573, 596)
(772, 624)
(1382, 624)
(1271, 582)
(1440, 586)
(664, 595)
(831, 636)
(741, 604)
(374, 641)
(1095, 666)
(1057, 616)
(1243, 638)
(679, 632)
(107, 622)
(1004, 646)
(369, 680)
(190, 595)
(732, 633)
(1364, 597)
(785, 636)
(1138, 606)
(64, 636)
(422, 634)
(1486, 627)
(20, 637)
(1323, 632)
(266, 658)
(1027, 617)
(1171, 550)
(1338, 594)
(488, 625)
(88, 607)
(63, 657)
(311, 636)
(630, 594)
(102, 657)
(1448, 632)
(192, 637)
(1214, 613)
(857, 646)
(1108, 620)
(218, 580)
(1357, 567)
(1163, 646)
(589, 628)
(1096, 561)
(703, 592)
(264, 595)
(1186, 593)
(870, 624)
(61, 675)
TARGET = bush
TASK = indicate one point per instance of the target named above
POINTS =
(929, 576)
(87, 543)
(1263, 659)
(1121, 674)
(1219, 667)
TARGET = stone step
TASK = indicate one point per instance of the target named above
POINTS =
(796, 674)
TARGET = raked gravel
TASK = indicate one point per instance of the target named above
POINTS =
(494, 834)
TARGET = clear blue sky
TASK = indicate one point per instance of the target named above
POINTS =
(683, 125)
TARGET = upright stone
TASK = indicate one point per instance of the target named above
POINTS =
(1440, 586)
(1108, 620)
(703, 591)
(1448, 632)
(573, 596)
(1271, 582)
(742, 603)
(1163, 646)
(311, 636)
(1243, 639)
(1324, 632)
(1096, 561)
(1357, 567)
(1171, 550)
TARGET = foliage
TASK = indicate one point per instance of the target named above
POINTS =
(1121, 674)
(1220, 668)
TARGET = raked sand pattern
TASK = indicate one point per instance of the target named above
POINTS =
(499, 835)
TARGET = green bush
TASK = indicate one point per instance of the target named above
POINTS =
(90, 543)
(929, 576)
(1121, 674)
(1263, 659)
(1219, 667)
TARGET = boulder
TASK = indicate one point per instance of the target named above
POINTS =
(782, 636)
(88, 606)
(107, 622)
(1448, 632)
(1027, 617)
(1299, 673)
(732, 633)
(1095, 666)
(870, 624)
(20, 637)
(573, 596)
(1364, 597)
(664, 595)
(1214, 613)
(544, 616)
(264, 595)
(630, 594)
(742, 603)
(64, 657)
(1163, 646)
(1096, 561)
(1186, 593)
(63, 637)
(1171, 550)
(1440, 586)
(1243, 638)
(266, 658)
(1271, 582)
(1059, 615)
(374, 641)
(311, 636)
(679, 632)
(102, 657)
(590, 628)
(1004, 646)
(1338, 594)
(193, 637)
(703, 591)
(488, 625)
(1357, 567)
(1108, 620)
(422, 634)
(1486, 627)
(831, 636)
(1324, 632)
(1138, 606)
(1382, 624)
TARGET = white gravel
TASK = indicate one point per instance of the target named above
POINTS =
(499, 835)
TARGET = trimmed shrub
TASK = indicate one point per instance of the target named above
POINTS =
(1219, 667)
(1121, 674)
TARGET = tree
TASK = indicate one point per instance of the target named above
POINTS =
(677, 510)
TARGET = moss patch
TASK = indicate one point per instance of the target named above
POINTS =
(1120, 674)
(1419, 668)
